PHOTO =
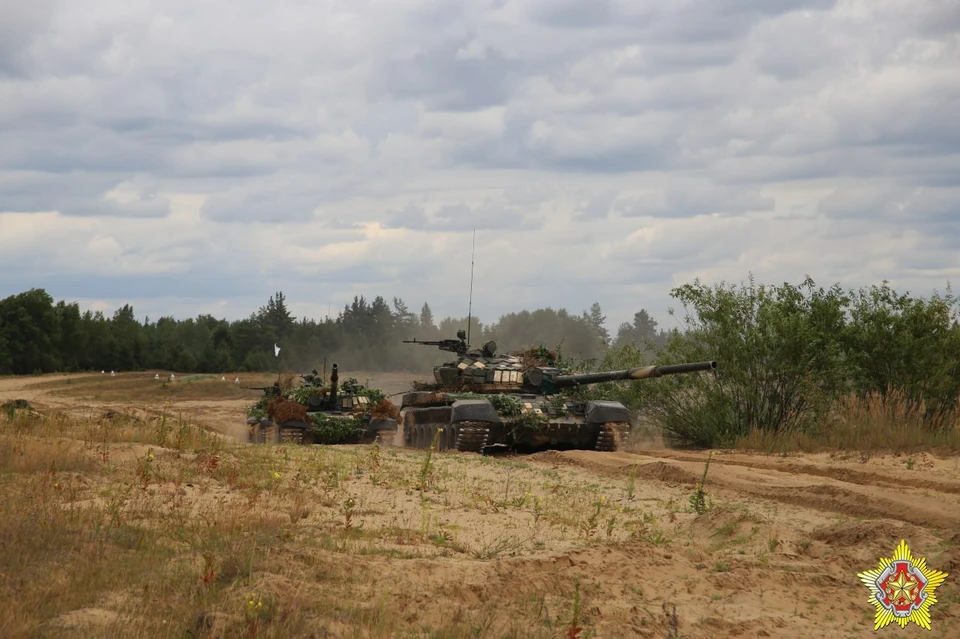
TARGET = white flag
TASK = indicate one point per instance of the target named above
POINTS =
(276, 350)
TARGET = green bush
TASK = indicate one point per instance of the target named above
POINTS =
(788, 353)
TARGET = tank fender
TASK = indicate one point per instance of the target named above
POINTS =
(377, 425)
(602, 411)
(474, 410)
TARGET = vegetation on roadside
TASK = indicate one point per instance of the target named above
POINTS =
(802, 366)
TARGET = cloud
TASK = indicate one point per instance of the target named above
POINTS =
(604, 150)
(489, 215)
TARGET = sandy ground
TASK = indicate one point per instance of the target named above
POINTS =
(777, 555)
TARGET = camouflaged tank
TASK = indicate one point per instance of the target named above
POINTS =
(518, 400)
(317, 413)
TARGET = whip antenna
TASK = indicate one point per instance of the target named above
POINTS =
(473, 252)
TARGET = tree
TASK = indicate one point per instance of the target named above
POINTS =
(275, 317)
(595, 318)
(426, 317)
(404, 320)
(31, 332)
(642, 333)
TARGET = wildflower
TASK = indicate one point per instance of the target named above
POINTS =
(276, 475)
(603, 500)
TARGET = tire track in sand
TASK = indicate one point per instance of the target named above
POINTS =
(900, 495)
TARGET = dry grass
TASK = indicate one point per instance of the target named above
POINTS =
(157, 528)
(872, 424)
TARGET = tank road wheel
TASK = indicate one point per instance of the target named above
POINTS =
(472, 436)
(610, 437)
(425, 434)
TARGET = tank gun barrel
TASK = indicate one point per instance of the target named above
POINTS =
(334, 378)
(457, 346)
(643, 372)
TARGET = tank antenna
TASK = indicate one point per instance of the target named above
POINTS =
(470, 304)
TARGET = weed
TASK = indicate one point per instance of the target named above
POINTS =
(610, 523)
(698, 499)
(590, 526)
(426, 471)
(348, 509)
(632, 481)
(574, 630)
(773, 542)
(672, 621)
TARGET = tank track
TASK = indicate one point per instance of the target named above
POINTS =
(610, 437)
(472, 436)
(422, 436)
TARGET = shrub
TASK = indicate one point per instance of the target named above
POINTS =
(787, 354)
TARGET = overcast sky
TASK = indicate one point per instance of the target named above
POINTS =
(195, 157)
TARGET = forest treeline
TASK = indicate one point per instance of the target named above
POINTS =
(40, 335)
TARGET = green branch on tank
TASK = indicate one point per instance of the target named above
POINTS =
(335, 430)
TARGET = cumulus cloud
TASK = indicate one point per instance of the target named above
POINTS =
(159, 152)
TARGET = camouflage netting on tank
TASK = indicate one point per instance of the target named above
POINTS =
(282, 409)
(385, 409)
(303, 393)
(539, 356)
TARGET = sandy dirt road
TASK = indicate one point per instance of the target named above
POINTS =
(777, 554)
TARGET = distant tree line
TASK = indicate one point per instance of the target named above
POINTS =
(39, 335)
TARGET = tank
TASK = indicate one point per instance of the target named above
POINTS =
(318, 413)
(521, 400)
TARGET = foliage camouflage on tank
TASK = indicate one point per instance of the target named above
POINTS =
(318, 413)
(519, 400)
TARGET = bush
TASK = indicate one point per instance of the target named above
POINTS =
(787, 354)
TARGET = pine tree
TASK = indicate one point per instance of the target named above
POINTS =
(426, 317)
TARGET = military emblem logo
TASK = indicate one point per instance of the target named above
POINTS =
(902, 589)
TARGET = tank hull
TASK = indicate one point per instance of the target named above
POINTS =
(295, 431)
(446, 422)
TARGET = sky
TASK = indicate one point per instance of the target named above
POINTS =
(196, 157)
